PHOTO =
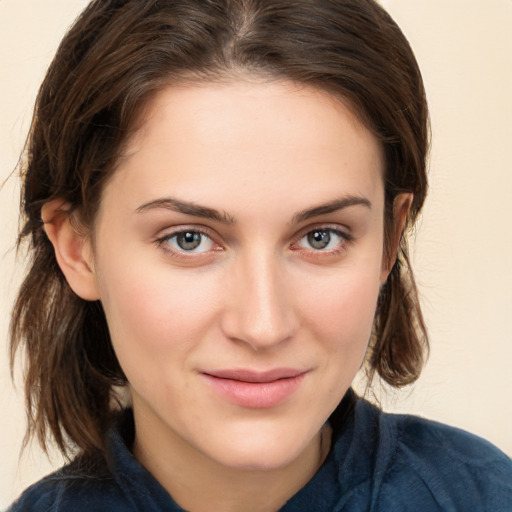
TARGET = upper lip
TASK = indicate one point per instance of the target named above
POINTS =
(246, 375)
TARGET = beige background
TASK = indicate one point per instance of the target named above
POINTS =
(463, 250)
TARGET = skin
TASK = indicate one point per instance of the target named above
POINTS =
(254, 294)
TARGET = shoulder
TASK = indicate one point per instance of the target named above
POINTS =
(70, 489)
(113, 482)
(443, 465)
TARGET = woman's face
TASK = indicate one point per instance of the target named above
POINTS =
(238, 254)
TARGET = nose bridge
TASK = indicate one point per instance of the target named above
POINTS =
(261, 312)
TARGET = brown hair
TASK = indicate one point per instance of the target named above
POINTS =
(115, 56)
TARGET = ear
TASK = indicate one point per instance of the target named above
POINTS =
(401, 208)
(73, 249)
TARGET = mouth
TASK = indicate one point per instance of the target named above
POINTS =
(244, 375)
(253, 389)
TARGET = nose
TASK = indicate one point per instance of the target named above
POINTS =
(260, 310)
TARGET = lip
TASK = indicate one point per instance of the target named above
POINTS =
(253, 389)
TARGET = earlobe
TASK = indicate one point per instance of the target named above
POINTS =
(72, 249)
(401, 207)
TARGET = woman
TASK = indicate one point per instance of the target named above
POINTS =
(215, 196)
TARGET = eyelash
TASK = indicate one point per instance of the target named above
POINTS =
(163, 242)
(345, 240)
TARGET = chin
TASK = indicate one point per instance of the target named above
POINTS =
(264, 451)
(260, 461)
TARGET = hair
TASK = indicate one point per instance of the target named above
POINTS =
(117, 54)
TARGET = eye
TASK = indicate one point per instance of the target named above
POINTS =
(189, 241)
(323, 239)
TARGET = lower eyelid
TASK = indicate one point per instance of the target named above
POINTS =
(333, 231)
(163, 241)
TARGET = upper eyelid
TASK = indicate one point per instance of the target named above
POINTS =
(336, 228)
(172, 231)
(167, 233)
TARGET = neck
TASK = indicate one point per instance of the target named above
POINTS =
(200, 484)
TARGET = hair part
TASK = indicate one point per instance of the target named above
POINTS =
(110, 63)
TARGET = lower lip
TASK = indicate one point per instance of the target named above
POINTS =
(255, 395)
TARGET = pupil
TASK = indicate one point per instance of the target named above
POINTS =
(188, 240)
(319, 239)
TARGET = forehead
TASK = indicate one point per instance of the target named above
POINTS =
(213, 141)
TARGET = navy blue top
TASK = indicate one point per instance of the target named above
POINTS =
(379, 462)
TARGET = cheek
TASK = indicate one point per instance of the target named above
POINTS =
(150, 310)
(342, 309)
(337, 316)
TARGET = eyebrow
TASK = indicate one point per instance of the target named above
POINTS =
(331, 207)
(190, 208)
